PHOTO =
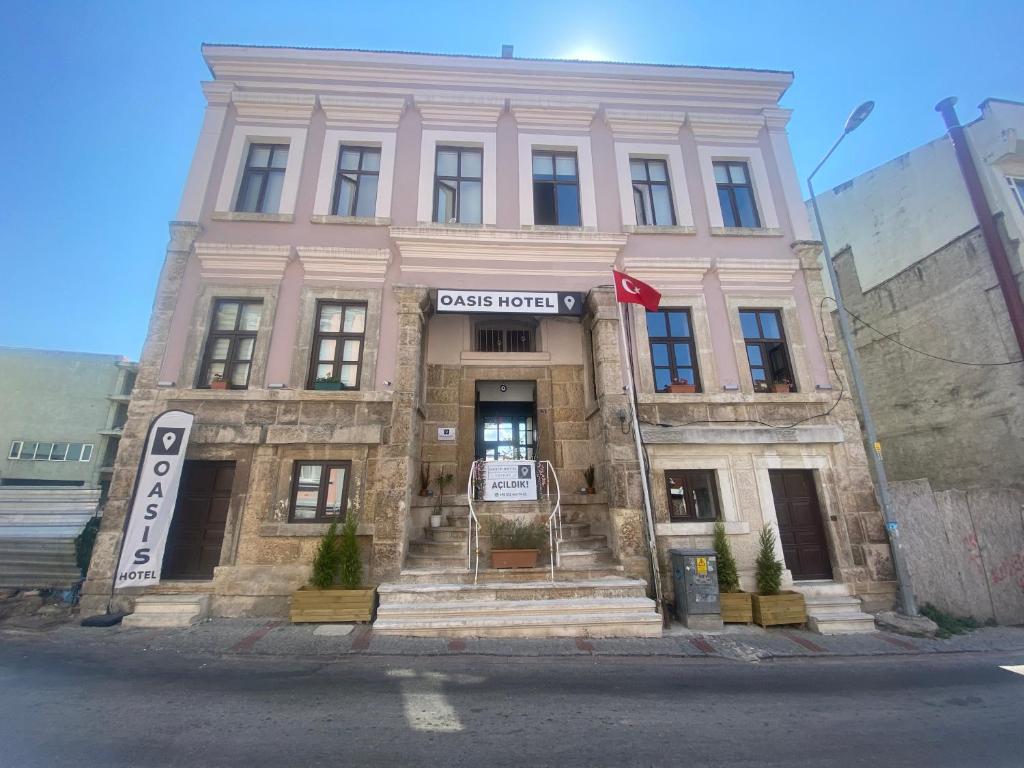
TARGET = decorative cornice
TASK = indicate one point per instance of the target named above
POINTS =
(712, 127)
(229, 261)
(277, 107)
(344, 265)
(644, 124)
(470, 111)
(740, 275)
(217, 92)
(553, 115)
(678, 274)
(362, 111)
(450, 250)
(776, 118)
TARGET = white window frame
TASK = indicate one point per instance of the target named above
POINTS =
(708, 155)
(1016, 183)
(673, 155)
(333, 141)
(86, 452)
(53, 449)
(234, 167)
(15, 454)
(528, 142)
(485, 140)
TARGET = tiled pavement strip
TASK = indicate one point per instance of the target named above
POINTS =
(262, 637)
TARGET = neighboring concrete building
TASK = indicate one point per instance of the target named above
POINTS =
(338, 203)
(912, 261)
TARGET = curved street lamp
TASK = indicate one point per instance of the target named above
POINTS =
(908, 604)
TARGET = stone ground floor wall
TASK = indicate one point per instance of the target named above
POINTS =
(964, 549)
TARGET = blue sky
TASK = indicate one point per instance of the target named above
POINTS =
(103, 107)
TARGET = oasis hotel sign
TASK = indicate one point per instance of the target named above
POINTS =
(514, 302)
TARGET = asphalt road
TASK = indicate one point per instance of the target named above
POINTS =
(139, 708)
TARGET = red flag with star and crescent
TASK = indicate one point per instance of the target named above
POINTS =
(629, 290)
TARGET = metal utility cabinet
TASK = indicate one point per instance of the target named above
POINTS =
(695, 578)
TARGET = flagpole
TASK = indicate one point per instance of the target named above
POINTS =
(651, 541)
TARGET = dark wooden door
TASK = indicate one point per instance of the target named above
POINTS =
(197, 530)
(801, 527)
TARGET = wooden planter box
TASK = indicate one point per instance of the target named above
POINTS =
(682, 389)
(737, 607)
(324, 606)
(782, 389)
(514, 558)
(783, 608)
(218, 385)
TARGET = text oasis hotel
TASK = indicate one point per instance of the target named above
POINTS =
(336, 308)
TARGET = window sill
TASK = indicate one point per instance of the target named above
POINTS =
(273, 530)
(285, 218)
(557, 228)
(359, 221)
(510, 358)
(646, 229)
(735, 396)
(734, 527)
(453, 225)
(746, 232)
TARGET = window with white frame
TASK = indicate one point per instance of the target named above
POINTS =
(458, 185)
(736, 194)
(355, 186)
(1017, 187)
(35, 450)
(652, 192)
(262, 179)
(556, 188)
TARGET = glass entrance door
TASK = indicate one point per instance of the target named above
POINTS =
(506, 431)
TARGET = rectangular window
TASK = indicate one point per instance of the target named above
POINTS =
(458, 185)
(230, 345)
(262, 179)
(504, 339)
(652, 192)
(766, 350)
(74, 451)
(355, 188)
(43, 451)
(86, 452)
(15, 452)
(59, 452)
(320, 491)
(556, 189)
(338, 338)
(692, 495)
(736, 194)
(1017, 187)
(673, 354)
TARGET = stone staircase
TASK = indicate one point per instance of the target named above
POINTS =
(173, 610)
(832, 609)
(435, 595)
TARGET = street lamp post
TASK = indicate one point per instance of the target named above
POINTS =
(907, 602)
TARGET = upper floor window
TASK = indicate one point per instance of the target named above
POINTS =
(320, 491)
(556, 188)
(227, 361)
(505, 337)
(458, 185)
(263, 179)
(337, 345)
(736, 194)
(692, 495)
(1017, 186)
(673, 355)
(766, 350)
(355, 188)
(28, 450)
(652, 192)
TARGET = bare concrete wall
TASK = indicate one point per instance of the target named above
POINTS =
(965, 549)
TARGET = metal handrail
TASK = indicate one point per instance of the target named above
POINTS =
(474, 526)
(554, 519)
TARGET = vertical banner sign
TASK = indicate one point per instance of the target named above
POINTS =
(152, 505)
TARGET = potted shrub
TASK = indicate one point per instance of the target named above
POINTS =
(443, 479)
(332, 383)
(734, 603)
(682, 386)
(589, 474)
(336, 560)
(782, 386)
(515, 543)
(772, 605)
(218, 382)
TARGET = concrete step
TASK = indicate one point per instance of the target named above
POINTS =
(832, 604)
(575, 530)
(832, 610)
(607, 587)
(518, 608)
(161, 611)
(460, 574)
(821, 588)
(435, 561)
(599, 556)
(584, 544)
(841, 623)
(437, 548)
(446, 533)
(586, 624)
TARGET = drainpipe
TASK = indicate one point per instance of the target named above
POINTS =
(994, 243)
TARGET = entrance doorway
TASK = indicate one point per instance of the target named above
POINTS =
(506, 420)
(801, 528)
(200, 517)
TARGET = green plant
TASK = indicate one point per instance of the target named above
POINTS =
(327, 559)
(728, 578)
(948, 625)
(769, 570)
(515, 533)
(442, 479)
(327, 380)
(589, 474)
(350, 565)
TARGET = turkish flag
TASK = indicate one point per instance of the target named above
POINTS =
(629, 290)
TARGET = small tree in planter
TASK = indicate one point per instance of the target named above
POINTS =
(326, 560)
(771, 604)
(324, 601)
(735, 604)
(515, 543)
(442, 479)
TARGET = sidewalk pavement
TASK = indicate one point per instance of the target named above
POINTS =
(279, 638)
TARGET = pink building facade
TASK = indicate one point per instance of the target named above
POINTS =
(337, 198)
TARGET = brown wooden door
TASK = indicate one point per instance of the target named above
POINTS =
(801, 528)
(197, 530)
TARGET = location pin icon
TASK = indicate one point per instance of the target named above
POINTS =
(569, 301)
(168, 440)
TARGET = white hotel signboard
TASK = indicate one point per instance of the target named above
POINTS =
(510, 481)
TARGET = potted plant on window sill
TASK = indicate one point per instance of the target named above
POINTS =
(515, 543)
(337, 560)
(782, 387)
(734, 603)
(331, 383)
(682, 387)
(443, 479)
(773, 606)
(218, 382)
